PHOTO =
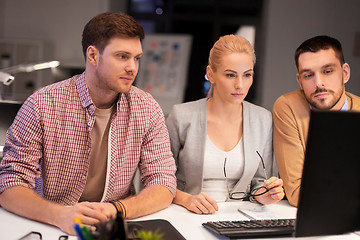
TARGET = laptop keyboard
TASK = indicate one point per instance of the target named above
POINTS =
(252, 228)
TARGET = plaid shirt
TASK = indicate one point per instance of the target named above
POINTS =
(48, 145)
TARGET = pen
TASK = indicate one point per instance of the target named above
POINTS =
(86, 233)
(77, 220)
(79, 231)
(246, 215)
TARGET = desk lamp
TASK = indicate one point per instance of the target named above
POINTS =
(7, 78)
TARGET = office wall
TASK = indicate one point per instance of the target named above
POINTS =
(288, 23)
(2, 16)
(58, 23)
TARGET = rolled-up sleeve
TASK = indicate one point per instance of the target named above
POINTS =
(23, 149)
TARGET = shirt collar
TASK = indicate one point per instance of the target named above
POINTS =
(345, 107)
(84, 93)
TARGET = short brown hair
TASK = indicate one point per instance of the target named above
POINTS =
(101, 28)
(318, 43)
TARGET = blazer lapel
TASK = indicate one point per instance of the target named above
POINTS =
(250, 155)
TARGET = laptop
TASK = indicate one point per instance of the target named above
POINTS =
(329, 200)
(8, 111)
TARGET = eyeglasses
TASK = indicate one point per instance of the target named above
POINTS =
(37, 236)
(244, 195)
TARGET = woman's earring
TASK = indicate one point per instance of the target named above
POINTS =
(206, 77)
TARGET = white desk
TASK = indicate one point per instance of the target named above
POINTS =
(12, 227)
(190, 225)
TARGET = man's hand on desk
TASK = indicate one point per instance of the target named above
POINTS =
(201, 204)
(28, 203)
(275, 193)
(89, 214)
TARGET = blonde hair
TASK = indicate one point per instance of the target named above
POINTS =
(226, 45)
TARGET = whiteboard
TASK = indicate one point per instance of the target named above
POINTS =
(164, 67)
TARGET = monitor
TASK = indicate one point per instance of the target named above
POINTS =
(329, 201)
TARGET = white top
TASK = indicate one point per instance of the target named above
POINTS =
(214, 182)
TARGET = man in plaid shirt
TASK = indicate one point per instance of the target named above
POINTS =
(74, 146)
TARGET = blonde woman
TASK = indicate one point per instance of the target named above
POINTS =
(222, 144)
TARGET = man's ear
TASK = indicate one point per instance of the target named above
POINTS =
(298, 78)
(92, 55)
(346, 72)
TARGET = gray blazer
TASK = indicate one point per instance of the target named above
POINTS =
(187, 125)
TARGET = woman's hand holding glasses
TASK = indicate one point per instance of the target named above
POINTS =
(274, 194)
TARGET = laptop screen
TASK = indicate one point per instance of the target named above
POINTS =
(8, 111)
(329, 200)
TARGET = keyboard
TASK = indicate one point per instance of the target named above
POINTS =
(252, 228)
